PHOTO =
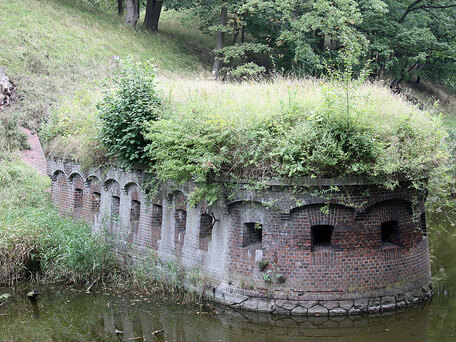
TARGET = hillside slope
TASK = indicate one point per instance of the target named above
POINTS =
(53, 48)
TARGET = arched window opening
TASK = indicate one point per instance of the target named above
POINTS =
(135, 213)
(156, 220)
(78, 200)
(321, 236)
(252, 234)
(205, 234)
(96, 203)
(115, 207)
(389, 232)
(157, 215)
(181, 219)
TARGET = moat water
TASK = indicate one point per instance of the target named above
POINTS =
(69, 314)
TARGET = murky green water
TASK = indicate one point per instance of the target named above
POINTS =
(63, 314)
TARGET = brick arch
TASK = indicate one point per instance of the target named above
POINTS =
(381, 200)
(60, 191)
(95, 197)
(179, 200)
(316, 201)
(94, 183)
(180, 220)
(112, 185)
(158, 199)
(77, 179)
(57, 172)
(318, 217)
(78, 195)
(346, 232)
(231, 204)
(394, 210)
(389, 215)
(133, 189)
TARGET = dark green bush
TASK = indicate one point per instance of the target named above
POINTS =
(124, 110)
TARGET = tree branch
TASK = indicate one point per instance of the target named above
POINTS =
(409, 9)
(437, 7)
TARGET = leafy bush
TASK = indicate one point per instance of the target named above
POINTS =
(124, 110)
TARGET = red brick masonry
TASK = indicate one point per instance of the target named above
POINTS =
(284, 250)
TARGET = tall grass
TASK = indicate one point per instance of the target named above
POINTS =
(53, 48)
(36, 240)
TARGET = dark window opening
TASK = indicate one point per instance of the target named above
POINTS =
(157, 215)
(78, 200)
(389, 232)
(423, 223)
(78, 196)
(96, 203)
(156, 218)
(321, 236)
(115, 207)
(252, 234)
(135, 213)
(205, 234)
(180, 217)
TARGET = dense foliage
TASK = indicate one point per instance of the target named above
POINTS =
(406, 39)
(347, 133)
(124, 110)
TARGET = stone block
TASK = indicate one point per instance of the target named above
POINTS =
(328, 304)
(233, 299)
(317, 310)
(265, 305)
(374, 305)
(346, 304)
(355, 311)
(308, 303)
(299, 310)
(286, 304)
(338, 312)
(250, 304)
(362, 304)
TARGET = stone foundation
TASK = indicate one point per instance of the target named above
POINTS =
(283, 250)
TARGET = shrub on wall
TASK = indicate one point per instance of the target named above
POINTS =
(133, 101)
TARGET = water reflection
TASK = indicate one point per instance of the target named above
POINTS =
(63, 314)
(75, 316)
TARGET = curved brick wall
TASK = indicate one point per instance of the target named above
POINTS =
(368, 252)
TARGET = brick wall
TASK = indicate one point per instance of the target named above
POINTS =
(367, 243)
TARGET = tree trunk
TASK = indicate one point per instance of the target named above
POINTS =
(153, 11)
(132, 12)
(220, 42)
(120, 8)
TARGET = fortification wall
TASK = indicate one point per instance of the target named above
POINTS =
(367, 252)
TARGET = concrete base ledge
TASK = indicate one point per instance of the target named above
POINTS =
(323, 307)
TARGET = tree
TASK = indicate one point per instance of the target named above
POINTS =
(405, 39)
(132, 12)
(153, 11)
(413, 40)
(220, 42)
(120, 7)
